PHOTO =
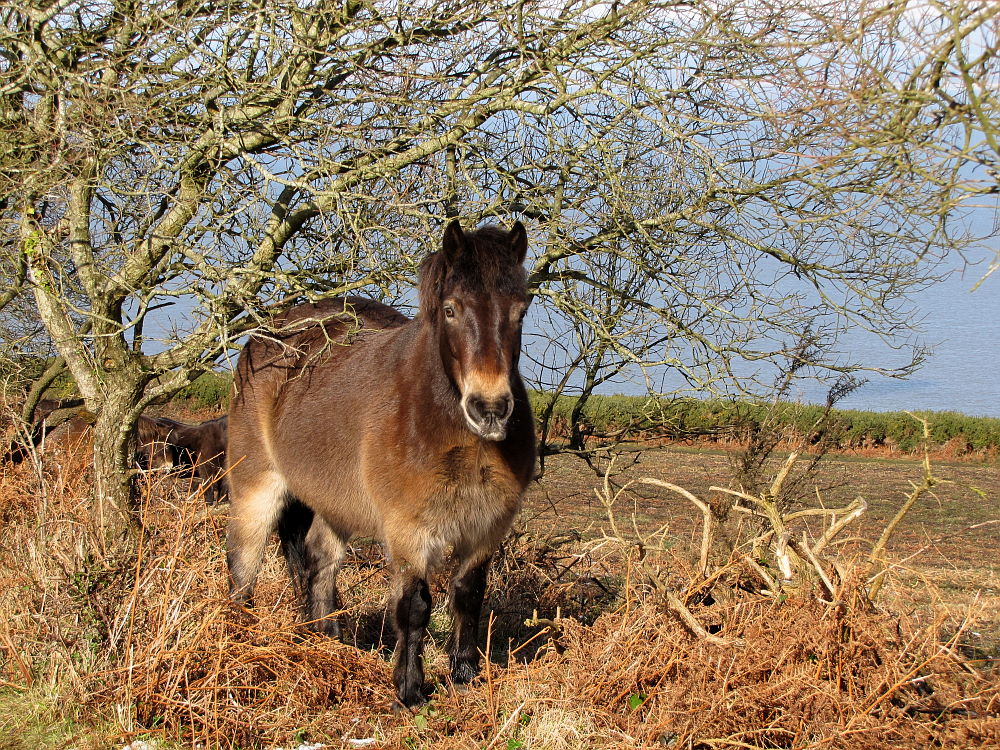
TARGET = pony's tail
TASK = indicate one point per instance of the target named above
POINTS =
(296, 518)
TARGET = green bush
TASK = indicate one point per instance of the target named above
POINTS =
(210, 389)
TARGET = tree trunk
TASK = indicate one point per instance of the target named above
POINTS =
(114, 464)
(577, 429)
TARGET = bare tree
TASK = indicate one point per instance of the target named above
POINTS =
(239, 154)
(773, 172)
(709, 174)
(930, 101)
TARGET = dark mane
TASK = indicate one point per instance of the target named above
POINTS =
(487, 265)
(152, 429)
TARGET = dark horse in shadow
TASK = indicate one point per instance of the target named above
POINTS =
(351, 419)
(200, 447)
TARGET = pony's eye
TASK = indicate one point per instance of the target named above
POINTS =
(449, 311)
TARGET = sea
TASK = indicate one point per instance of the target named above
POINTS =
(957, 320)
(960, 325)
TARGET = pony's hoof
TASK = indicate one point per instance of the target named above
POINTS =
(328, 627)
(464, 672)
(410, 698)
(399, 707)
(241, 614)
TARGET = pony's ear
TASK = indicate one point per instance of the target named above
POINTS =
(519, 241)
(453, 244)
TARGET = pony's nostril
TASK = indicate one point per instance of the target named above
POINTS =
(506, 404)
(477, 408)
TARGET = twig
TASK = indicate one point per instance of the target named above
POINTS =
(681, 610)
(767, 508)
(673, 601)
(489, 666)
(782, 557)
(708, 518)
(759, 570)
(22, 667)
(933, 542)
(816, 564)
(779, 480)
(876, 557)
(857, 507)
(510, 720)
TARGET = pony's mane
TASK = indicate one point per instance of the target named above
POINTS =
(150, 429)
(487, 265)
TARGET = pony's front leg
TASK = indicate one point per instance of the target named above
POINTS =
(466, 592)
(410, 608)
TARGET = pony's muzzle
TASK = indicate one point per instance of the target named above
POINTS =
(488, 416)
(159, 460)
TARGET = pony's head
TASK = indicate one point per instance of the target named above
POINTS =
(153, 448)
(474, 291)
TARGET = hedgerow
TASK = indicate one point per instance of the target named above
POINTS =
(210, 389)
(728, 419)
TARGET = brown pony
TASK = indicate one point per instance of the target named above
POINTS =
(200, 446)
(151, 448)
(352, 419)
(66, 424)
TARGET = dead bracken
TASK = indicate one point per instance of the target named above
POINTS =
(142, 644)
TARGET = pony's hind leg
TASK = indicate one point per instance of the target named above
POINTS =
(325, 551)
(313, 552)
(466, 591)
(254, 513)
(293, 526)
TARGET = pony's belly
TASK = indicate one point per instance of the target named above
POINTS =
(340, 500)
(317, 457)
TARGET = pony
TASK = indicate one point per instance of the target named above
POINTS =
(67, 425)
(200, 446)
(47, 415)
(351, 419)
(152, 451)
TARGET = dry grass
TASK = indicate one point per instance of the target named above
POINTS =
(136, 639)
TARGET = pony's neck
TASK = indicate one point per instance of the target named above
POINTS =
(438, 386)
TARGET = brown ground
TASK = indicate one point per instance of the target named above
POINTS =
(939, 528)
(948, 543)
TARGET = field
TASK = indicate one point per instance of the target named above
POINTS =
(947, 548)
(106, 642)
